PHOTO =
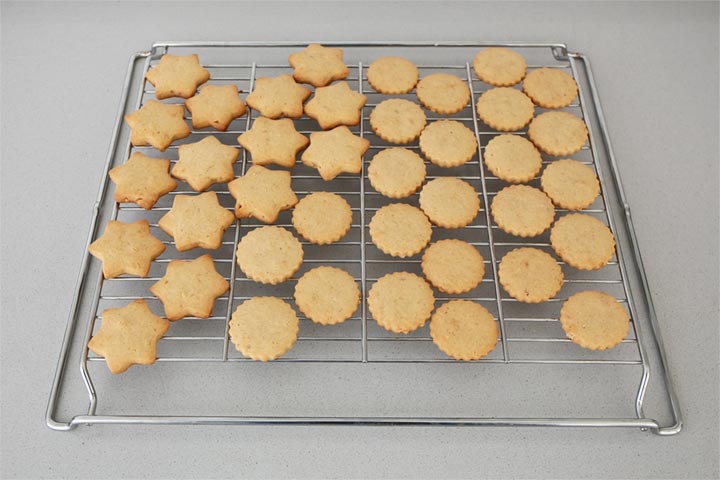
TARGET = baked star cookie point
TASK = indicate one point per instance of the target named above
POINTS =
(449, 202)
(505, 109)
(204, 163)
(464, 330)
(512, 158)
(335, 105)
(196, 221)
(448, 143)
(594, 320)
(273, 142)
(318, 65)
(570, 184)
(177, 76)
(530, 275)
(558, 133)
(397, 120)
(142, 180)
(550, 87)
(499, 66)
(335, 151)
(443, 93)
(262, 193)
(276, 97)
(126, 248)
(322, 217)
(392, 75)
(269, 255)
(157, 124)
(264, 328)
(582, 241)
(401, 302)
(453, 266)
(215, 106)
(327, 295)
(396, 172)
(400, 230)
(522, 210)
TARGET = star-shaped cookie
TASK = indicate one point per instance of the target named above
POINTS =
(336, 105)
(157, 124)
(215, 107)
(190, 288)
(196, 221)
(335, 151)
(128, 336)
(142, 180)
(273, 141)
(205, 162)
(126, 248)
(318, 65)
(262, 193)
(276, 97)
(177, 76)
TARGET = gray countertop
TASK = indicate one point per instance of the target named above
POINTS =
(62, 68)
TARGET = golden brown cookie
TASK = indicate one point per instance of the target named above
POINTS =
(550, 88)
(322, 217)
(570, 184)
(594, 320)
(318, 65)
(443, 93)
(177, 76)
(262, 193)
(276, 97)
(128, 336)
(396, 172)
(126, 248)
(558, 133)
(449, 202)
(269, 255)
(505, 109)
(157, 124)
(142, 180)
(401, 302)
(397, 120)
(400, 230)
(273, 142)
(335, 151)
(530, 275)
(190, 288)
(522, 210)
(392, 75)
(499, 66)
(204, 163)
(335, 105)
(264, 328)
(196, 221)
(512, 158)
(215, 106)
(453, 266)
(582, 241)
(448, 143)
(327, 295)
(464, 330)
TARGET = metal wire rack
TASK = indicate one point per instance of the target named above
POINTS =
(529, 334)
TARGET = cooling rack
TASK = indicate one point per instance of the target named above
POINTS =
(356, 372)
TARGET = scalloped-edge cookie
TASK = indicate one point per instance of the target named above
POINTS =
(464, 330)
(396, 172)
(530, 275)
(269, 255)
(401, 302)
(448, 143)
(594, 320)
(499, 66)
(322, 217)
(392, 75)
(550, 87)
(453, 266)
(558, 133)
(582, 241)
(264, 328)
(449, 202)
(522, 210)
(443, 93)
(570, 184)
(397, 120)
(400, 230)
(512, 158)
(505, 109)
(327, 295)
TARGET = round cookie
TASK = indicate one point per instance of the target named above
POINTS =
(522, 210)
(530, 275)
(570, 184)
(505, 109)
(443, 93)
(327, 295)
(269, 255)
(448, 143)
(264, 328)
(453, 266)
(401, 302)
(322, 217)
(550, 87)
(499, 66)
(464, 330)
(400, 230)
(397, 120)
(512, 158)
(582, 241)
(396, 172)
(449, 202)
(392, 75)
(594, 320)
(558, 133)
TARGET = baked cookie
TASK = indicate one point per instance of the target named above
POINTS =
(530, 275)
(204, 163)
(558, 133)
(396, 172)
(550, 88)
(177, 76)
(392, 75)
(464, 330)
(264, 328)
(570, 184)
(448, 143)
(594, 320)
(499, 66)
(196, 221)
(522, 210)
(397, 120)
(322, 217)
(512, 158)
(327, 295)
(215, 106)
(142, 180)
(276, 97)
(335, 151)
(401, 302)
(449, 202)
(128, 336)
(157, 124)
(318, 65)
(400, 230)
(453, 266)
(505, 109)
(443, 93)
(273, 142)
(582, 241)
(269, 255)
(262, 193)
(335, 105)
(126, 248)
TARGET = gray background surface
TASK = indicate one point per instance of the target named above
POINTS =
(62, 69)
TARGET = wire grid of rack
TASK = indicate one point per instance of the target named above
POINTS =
(529, 334)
